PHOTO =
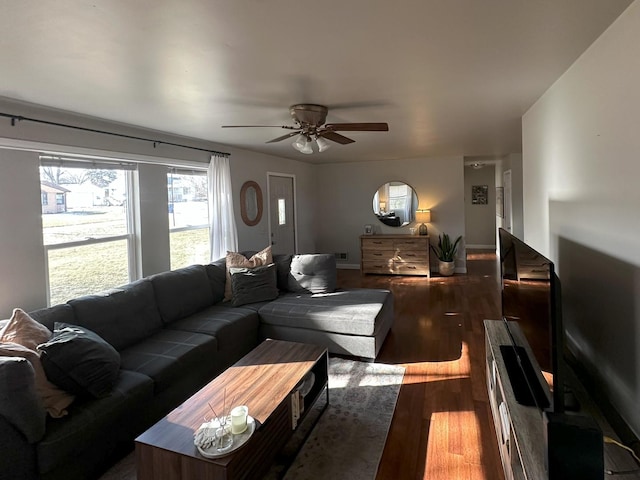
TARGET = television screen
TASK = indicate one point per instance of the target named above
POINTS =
(530, 297)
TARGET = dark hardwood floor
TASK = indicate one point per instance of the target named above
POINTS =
(442, 426)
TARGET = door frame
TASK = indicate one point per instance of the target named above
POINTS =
(507, 183)
(295, 205)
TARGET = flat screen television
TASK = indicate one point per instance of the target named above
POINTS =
(531, 297)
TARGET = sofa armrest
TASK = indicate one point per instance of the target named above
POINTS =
(20, 404)
(18, 458)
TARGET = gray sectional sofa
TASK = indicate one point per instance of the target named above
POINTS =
(173, 333)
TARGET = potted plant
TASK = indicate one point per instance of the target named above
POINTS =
(446, 253)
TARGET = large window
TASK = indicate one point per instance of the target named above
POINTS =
(89, 243)
(188, 217)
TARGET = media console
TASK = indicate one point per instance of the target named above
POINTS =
(519, 428)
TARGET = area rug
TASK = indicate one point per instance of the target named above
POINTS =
(348, 439)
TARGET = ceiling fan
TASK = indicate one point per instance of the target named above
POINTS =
(310, 126)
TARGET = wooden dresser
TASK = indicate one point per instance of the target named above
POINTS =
(395, 254)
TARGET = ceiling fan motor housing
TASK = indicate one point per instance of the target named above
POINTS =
(309, 114)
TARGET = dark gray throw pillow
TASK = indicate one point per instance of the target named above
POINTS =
(251, 285)
(283, 267)
(80, 361)
(313, 273)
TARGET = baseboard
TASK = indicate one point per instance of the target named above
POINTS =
(479, 247)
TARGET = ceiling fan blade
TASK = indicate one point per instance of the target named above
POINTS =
(357, 127)
(284, 137)
(336, 137)
(288, 127)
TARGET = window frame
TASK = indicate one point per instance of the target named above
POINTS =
(130, 236)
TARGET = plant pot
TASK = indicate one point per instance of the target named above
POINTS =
(446, 269)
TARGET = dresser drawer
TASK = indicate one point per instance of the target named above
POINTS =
(377, 244)
(377, 255)
(416, 243)
(413, 268)
(385, 268)
(412, 255)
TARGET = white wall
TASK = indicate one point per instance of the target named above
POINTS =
(580, 153)
(480, 220)
(345, 193)
(22, 267)
(152, 219)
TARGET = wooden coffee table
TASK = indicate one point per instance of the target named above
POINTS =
(264, 380)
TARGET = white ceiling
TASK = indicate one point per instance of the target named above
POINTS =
(451, 77)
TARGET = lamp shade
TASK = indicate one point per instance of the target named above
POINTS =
(423, 216)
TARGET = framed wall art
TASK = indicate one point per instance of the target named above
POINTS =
(479, 194)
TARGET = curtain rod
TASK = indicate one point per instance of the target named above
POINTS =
(20, 118)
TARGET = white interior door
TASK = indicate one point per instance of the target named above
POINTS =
(282, 224)
(508, 217)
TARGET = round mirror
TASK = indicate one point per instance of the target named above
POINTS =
(251, 203)
(395, 204)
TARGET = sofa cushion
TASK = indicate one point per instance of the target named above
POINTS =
(122, 316)
(24, 330)
(169, 355)
(217, 274)
(228, 325)
(54, 400)
(19, 402)
(250, 285)
(353, 312)
(236, 259)
(62, 313)
(79, 361)
(313, 273)
(179, 293)
(90, 421)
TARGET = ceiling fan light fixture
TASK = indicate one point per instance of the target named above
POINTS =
(323, 144)
(300, 143)
(307, 149)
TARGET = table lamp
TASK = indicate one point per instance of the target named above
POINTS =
(423, 216)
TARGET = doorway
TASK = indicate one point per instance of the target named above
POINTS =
(282, 213)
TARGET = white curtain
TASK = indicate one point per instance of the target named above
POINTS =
(223, 234)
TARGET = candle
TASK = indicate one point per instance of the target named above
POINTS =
(239, 419)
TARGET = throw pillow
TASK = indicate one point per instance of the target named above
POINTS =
(80, 361)
(313, 273)
(251, 285)
(283, 266)
(54, 400)
(24, 330)
(238, 260)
